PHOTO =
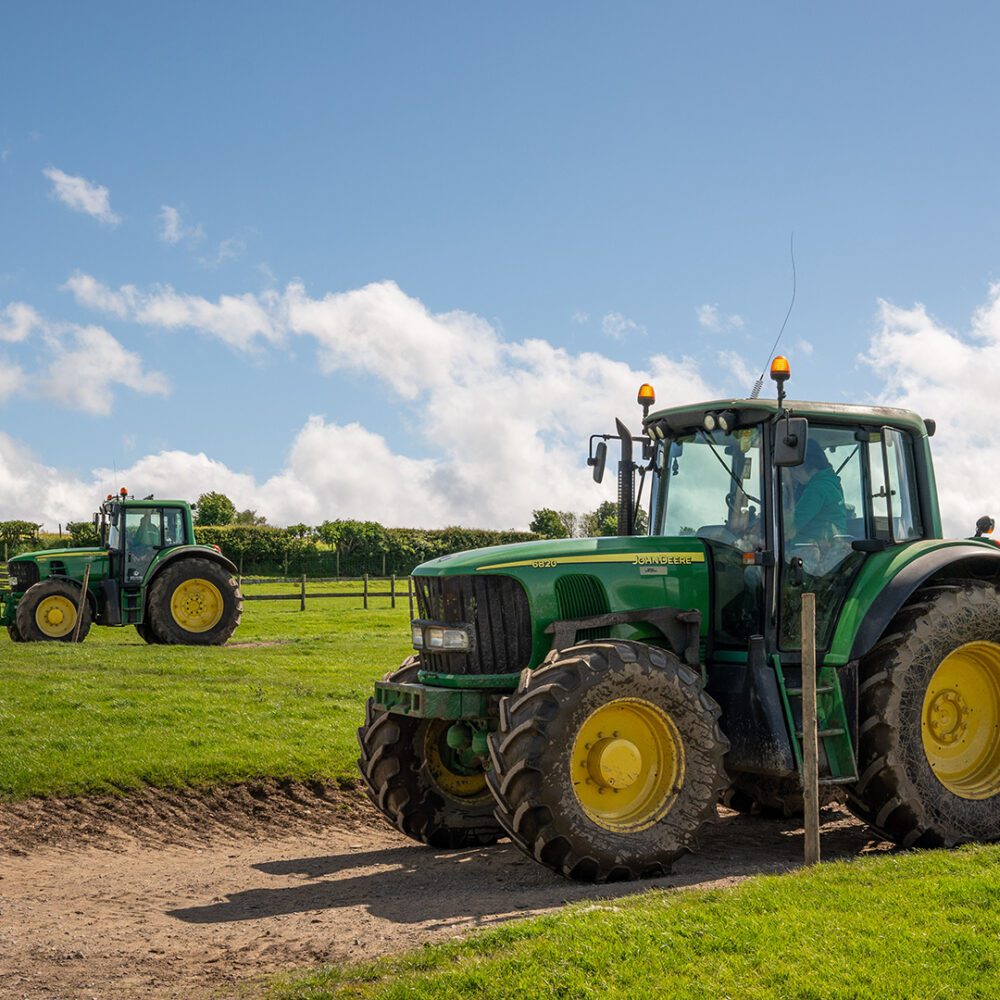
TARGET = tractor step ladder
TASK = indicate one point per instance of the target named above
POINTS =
(837, 763)
(131, 605)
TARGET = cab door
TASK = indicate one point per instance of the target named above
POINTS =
(143, 536)
(823, 509)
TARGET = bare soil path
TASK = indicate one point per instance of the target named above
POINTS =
(177, 899)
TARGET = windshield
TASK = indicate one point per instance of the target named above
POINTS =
(709, 484)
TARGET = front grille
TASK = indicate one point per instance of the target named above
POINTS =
(22, 575)
(496, 606)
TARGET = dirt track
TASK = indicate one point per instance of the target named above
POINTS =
(167, 908)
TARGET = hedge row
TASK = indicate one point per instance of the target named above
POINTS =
(346, 548)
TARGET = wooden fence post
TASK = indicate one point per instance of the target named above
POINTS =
(810, 735)
(366, 591)
(392, 589)
(383, 565)
(83, 602)
(302, 594)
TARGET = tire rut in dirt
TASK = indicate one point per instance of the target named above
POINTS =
(532, 777)
(898, 792)
(400, 782)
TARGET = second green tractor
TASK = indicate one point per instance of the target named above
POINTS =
(148, 571)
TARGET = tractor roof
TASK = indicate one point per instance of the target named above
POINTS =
(756, 410)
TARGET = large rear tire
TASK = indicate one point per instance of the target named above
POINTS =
(413, 781)
(48, 611)
(15, 635)
(929, 706)
(147, 634)
(608, 761)
(194, 602)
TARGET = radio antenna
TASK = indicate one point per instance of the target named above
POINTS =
(759, 384)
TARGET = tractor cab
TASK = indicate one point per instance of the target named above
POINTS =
(136, 531)
(780, 518)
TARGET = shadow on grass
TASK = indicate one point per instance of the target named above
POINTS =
(417, 884)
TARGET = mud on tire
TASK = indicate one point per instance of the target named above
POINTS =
(898, 792)
(172, 607)
(402, 785)
(532, 778)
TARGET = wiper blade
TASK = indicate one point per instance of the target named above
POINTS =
(721, 460)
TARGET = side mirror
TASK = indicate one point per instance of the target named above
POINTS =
(599, 460)
(791, 435)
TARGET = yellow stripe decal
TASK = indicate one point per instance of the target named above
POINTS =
(632, 558)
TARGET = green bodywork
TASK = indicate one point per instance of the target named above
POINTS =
(124, 603)
(653, 572)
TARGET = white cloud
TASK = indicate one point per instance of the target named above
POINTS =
(710, 318)
(804, 347)
(231, 248)
(237, 320)
(617, 326)
(172, 230)
(82, 195)
(12, 379)
(506, 422)
(580, 317)
(87, 362)
(951, 377)
(17, 322)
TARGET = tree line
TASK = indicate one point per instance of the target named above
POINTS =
(344, 547)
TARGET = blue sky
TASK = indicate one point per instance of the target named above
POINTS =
(547, 198)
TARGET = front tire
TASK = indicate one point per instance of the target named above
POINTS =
(412, 780)
(48, 611)
(194, 602)
(608, 761)
(929, 705)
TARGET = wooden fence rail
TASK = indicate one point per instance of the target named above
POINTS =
(303, 593)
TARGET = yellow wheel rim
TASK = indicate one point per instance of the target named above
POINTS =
(627, 765)
(55, 616)
(960, 721)
(436, 753)
(197, 605)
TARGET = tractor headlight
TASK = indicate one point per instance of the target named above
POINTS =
(443, 638)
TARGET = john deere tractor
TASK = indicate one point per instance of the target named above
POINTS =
(148, 571)
(592, 699)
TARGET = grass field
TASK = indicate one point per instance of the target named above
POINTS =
(112, 713)
(898, 926)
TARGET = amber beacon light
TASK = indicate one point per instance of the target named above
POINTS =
(646, 397)
(780, 372)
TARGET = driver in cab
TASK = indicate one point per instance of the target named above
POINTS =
(814, 511)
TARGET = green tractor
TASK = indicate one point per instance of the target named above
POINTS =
(592, 699)
(148, 572)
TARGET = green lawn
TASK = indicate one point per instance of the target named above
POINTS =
(898, 926)
(112, 713)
